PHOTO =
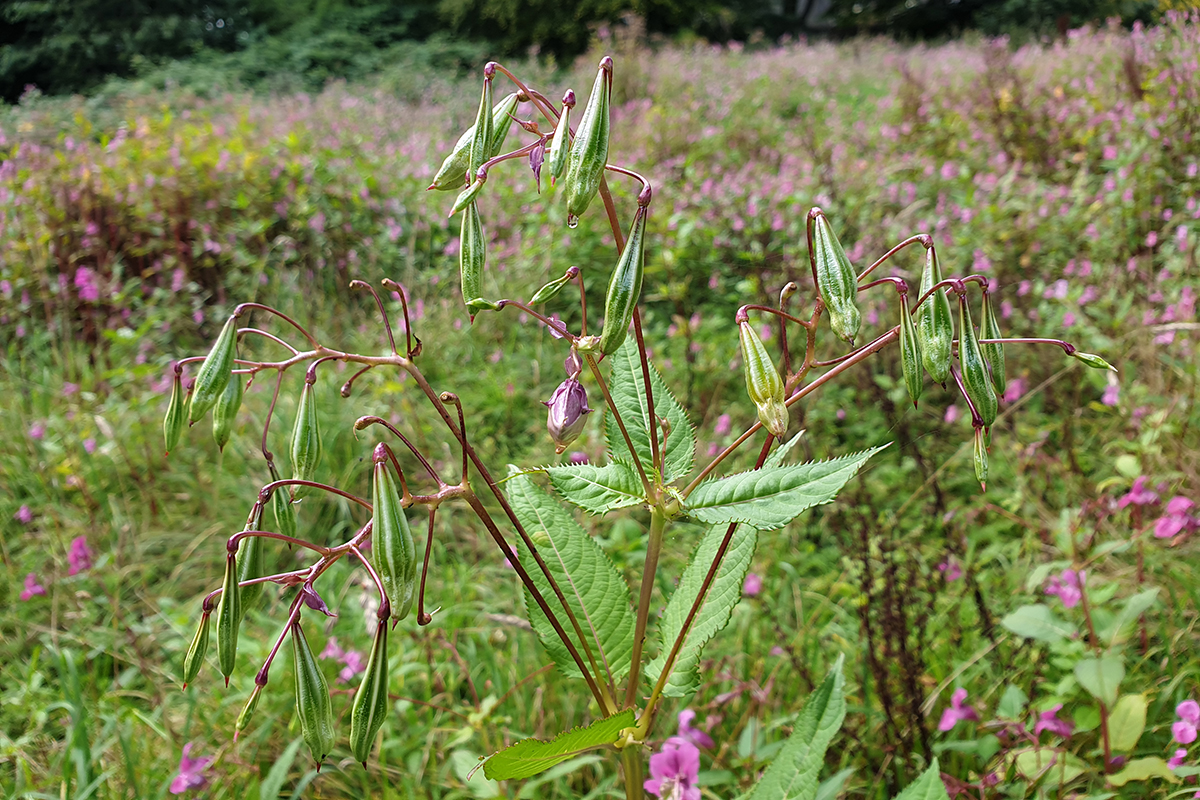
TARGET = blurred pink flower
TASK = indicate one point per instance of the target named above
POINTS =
(1184, 731)
(950, 569)
(1015, 390)
(1138, 495)
(724, 425)
(89, 446)
(1112, 394)
(1178, 517)
(674, 771)
(1177, 760)
(355, 662)
(752, 585)
(694, 735)
(37, 431)
(957, 712)
(1068, 586)
(951, 414)
(32, 587)
(79, 556)
(23, 515)
(191, 772)
(1048, 721)
(69, 388)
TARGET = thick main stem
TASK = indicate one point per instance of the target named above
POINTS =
(658, 523)
(631, 760)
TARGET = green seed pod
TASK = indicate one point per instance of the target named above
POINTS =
(392, 551)
(763, 383)
(370, 706)
(989, 328)
(194, 659)
(935, 323)
(285, 514)
(215, 372)
(981, 459)
(468, 195)
(177, 411)
(550, 290)
(306, 441)
(250, 566)
(248, 710)
(560, 144)
(910, 352)
(974, 368)
(589, 153)
(229, 617)
(312, 697)
(625, 286)
(472, 257)
(225, 412)
(481, 141)
(836, 280)
(452, 175)
(1093, 361)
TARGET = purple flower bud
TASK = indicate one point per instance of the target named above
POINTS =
(568, 413)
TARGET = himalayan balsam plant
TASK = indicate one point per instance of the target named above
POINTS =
(590, 622)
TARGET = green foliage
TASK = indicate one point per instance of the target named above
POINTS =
(530, 757)
(597, 490)
(927, 787)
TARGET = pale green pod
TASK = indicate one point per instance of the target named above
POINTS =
(467, 195)
(452, 175)
(392, 550)
(910, 352)
(935, 322)
(250, 566)
(501, 123)
(975, 377)
(196, 652)
(285, 514)
(177, 412)
(370, 706)
(625, 287)
(215, 372)
(306, 441)
(993, 352)
(1093, 361)
(549, 291)
(472, 258)
(763, 383)
(247, 710)
(560, 143)
(225, 412)
(589, 153)
(981, 459)
(229, 618)
(481, 141)
(313, 705)
(836, 281)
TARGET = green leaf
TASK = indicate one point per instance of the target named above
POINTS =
(793, 773)
(1038, 622)
(723, 595)
(1058, 768)
(528, 757)
(927, 787)
(1012, 703)
(776, 458)
(771, 498)
(1127, 722)
(597, 490)
(465, 763)
(629, 395)
(595, 591)
(1101, 677)
(1118, 631)
(831, 787)
(1143, 769)
(273, 782)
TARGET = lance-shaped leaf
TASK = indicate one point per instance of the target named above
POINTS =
(713, 616)
(927, 787)
(529, 757)
(793, 774)
(771, 498)
(595, 591)
(597, 490)
(629, 394)
(780, 453)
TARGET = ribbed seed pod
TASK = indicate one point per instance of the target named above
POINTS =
(625, 286)
(501, 122)
(974, 368)
(589, 153)
(225, 412)
(312, 697)
(836, 281)
(247, 710)
(989, 328)
(198, 649)
(215, 372)
(910, 352)
(250, 566)
(1094, 361)
(452, 175)
(370, 706)
(392, 551)
(763, 383)
(481, 141)
(981, 459)
(472, 257)
(285, 514)
(550, 290)
(468, 195)
(935, 322)
(306, 441)
(560, 143)
(177, 411)
(229, 618)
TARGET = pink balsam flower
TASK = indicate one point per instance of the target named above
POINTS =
(32, 587)
(753, 585)
(1068, 587)
(692, 734)
(79, 556)
(1184, 730)
(191, 772)
(957, 712)
(674, 771)
(1048, 721)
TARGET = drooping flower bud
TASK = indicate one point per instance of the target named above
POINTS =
(935, 322)
(215, 372)
(836, 280)
(625, 287)
(229, 618)
(177, 412)
(392, 550)
(312, 697)
(993, 351)
(763, 383)
(306, 440)
(568, 413)
(225, 412)
(560, 144)
(975, 377)
(194, 659)
(1093, 361)
(370, 706)
(910, 352)
(589, 153)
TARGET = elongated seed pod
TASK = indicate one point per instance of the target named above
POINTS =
(177, 411)
(452, 175)
(468, 195)
(392, 551)
(1092, 360)
(910, 352)
(589, 153)
(306, 441)
(225, 412)
(836, 281)
(763, 383)
(248, 710)
(993, 352)
(215, 372)
(981, 459)
(482, 140)
(549, 291)
(312, 697)
(196, 652)
(250, 566)
(560, 143)
(285, 514)
(370, 705)
(974, 368)
(472, 257)
(501, 122)
(935, 321)
(229, 618)
(625, 286)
